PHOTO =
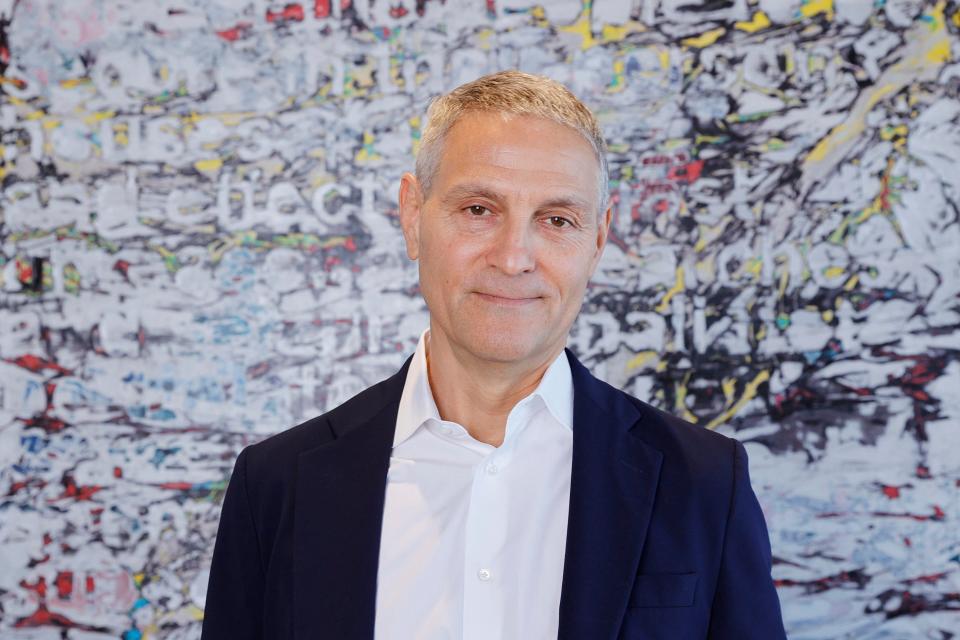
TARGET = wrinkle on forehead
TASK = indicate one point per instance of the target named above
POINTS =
(541, 154)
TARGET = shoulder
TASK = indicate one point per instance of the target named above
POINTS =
(701, 455)
(282, 449)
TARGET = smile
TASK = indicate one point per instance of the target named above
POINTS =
(507, 302)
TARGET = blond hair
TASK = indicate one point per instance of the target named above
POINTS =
(508, 92)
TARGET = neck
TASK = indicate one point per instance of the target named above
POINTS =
(479, 394)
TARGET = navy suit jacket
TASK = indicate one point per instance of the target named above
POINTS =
(665, 536)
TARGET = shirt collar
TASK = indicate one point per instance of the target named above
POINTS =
(417, 404)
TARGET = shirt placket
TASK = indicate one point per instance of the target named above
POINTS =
(485, 570)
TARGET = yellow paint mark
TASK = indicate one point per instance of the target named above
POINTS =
(71, 83)
(833, 272)
(612, 33)
(233, 119)
(674, 290)
(663, 57)
(681, 397)
(52, 123)
(847, 131)
(616, 85)
(416, 132)
(483, 38)
(213, 164)
(755, 266)
(811, 8)
(956, 18)
(705, 39)
(729, 386)
(851, 284)
(759, 21)
(582, 28)
(640, 359)
(97, 116)
(701, 241)
(889, 133)
(784, 281)
(828, 315)
(940, 52)
(164, 73)
(749, 392)
(367, 152)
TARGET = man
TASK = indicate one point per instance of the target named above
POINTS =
(493, 488)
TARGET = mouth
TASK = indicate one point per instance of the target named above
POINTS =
(506, 301)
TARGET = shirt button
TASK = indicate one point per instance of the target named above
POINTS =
(492, 469)
(483, 574)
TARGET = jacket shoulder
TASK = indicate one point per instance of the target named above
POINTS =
(702, 452)
(284, 447)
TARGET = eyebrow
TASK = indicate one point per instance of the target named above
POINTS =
(475, 190)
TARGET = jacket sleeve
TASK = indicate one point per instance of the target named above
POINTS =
(234, 606)
(745, 605)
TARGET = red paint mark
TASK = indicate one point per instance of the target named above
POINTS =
(241, 30)
(121, 266)
(289, 12)
(39, 587)
(176, 486)
(23, 484)
(47, 423)
(688, 173)
(43, 617)
(907, 542)
(78, 492)
(64, 584)
(930, 578)
(321, 8)
(937, 515)
(37, 364)
(923, 472)
(891, 492)
(350, 244)
(47, 539)
(398, 11)
(24, 271)
(89, 584)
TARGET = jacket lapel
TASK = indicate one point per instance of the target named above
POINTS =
(613, 483)
(338, 514)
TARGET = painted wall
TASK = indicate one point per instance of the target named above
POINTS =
(200, 248)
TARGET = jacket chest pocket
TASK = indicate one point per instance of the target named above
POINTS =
(663, 590)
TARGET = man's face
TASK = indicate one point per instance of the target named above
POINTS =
(508, 237)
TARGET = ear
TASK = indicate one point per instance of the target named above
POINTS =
(603, 228)
(411, 203)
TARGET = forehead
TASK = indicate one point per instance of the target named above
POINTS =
(526, 155)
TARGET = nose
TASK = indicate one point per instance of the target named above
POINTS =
(512, 249)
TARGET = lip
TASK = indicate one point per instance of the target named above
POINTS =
(507, 302)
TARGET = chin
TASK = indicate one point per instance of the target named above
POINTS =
(503, 346)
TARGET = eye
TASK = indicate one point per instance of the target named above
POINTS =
(559, 222)
(477, 210)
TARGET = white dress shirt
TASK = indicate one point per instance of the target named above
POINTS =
(473, 535)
